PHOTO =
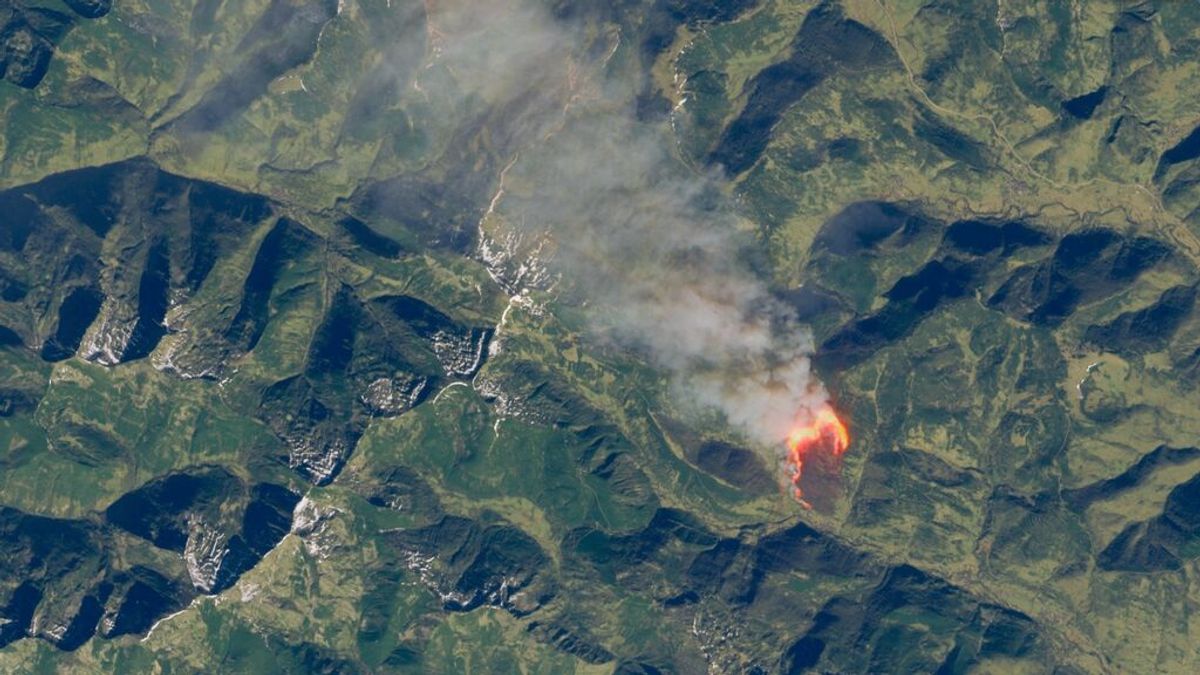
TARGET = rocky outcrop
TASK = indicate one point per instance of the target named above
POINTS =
(106, 261)
(470, 565)
(218, 524)
(64, 580)
(368, 358)
(401, 489)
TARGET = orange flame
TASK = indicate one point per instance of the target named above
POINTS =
(823, 430)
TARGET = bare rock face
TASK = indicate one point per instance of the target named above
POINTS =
(401, 489)
(470, 565)
(459, 349)
(131, 320)
(48, 569)
(205, 553)
(141, 596)
(319, 432)
(319, 462)
(219, 525)
(109, 337)
(390, 396)
(369, 357)
(215, 558)
(63, 580)
(106, 263)
(460, 353)
(312, 523)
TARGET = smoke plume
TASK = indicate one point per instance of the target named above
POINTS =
(654, 247)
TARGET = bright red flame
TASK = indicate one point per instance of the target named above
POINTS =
(824, 430)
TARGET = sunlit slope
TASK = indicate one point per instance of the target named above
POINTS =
(992, 237)
(285, 388)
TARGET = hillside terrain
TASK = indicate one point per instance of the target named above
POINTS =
(291, 381)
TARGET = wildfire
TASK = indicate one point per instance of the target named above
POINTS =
(823, 431)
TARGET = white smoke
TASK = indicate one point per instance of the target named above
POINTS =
(654, 247)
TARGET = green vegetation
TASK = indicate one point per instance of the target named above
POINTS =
(259, 253)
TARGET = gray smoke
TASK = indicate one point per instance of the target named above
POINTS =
(654, 247)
